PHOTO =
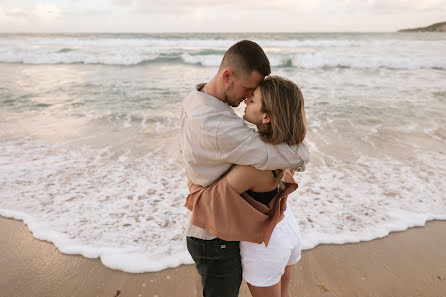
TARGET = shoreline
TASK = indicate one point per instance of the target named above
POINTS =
(408, 263)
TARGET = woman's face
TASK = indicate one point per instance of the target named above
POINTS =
(253, 110)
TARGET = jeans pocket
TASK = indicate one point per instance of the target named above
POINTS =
(196, 248)
(203, 249)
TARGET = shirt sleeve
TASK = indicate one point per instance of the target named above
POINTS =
(239, 144)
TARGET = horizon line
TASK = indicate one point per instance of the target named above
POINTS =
(195, 32)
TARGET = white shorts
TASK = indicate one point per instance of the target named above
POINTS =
(263, 266)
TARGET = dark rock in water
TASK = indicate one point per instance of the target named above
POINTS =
(438, 27)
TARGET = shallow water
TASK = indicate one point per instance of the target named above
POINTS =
(89, 153)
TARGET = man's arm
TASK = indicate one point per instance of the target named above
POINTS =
(239, 144)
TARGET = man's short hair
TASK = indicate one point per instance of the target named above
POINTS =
(246, 56)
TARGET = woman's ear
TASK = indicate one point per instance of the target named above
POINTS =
(266, 119)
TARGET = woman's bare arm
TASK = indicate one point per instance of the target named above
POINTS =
(240, 178)
(243, 177)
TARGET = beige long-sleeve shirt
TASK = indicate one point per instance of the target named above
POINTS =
(213, 138)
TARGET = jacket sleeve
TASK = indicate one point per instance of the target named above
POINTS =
(239, 144)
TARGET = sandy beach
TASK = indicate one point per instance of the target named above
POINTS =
(409, 263)
(90, 159)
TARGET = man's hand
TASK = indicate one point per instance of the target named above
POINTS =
(288, 176)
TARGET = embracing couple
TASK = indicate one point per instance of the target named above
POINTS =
(239, 178)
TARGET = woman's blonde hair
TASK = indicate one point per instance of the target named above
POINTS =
(283, 101)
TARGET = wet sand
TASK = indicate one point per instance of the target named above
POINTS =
(409, 263)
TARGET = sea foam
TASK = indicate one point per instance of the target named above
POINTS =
(305, 53)
(89, 152)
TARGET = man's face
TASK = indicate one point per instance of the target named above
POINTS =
(242, 87)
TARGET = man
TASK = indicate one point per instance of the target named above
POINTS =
(213, 138)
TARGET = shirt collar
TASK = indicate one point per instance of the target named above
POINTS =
(210, 100)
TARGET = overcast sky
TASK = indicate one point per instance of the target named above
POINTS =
(218, 16)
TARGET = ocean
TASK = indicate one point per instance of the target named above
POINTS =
(89, 151)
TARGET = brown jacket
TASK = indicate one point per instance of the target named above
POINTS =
(234, 217)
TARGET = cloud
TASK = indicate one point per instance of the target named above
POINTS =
(213, 15)
(39, 12)
(394, 5)
(175, 6)
(123, 2)
(46, 12)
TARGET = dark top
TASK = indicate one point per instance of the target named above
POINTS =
(263, 197)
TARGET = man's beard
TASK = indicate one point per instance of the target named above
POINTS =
(228, 98)
(228, 101)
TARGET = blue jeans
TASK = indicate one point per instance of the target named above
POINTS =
(218, 263)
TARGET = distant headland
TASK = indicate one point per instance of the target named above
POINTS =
(438, 27)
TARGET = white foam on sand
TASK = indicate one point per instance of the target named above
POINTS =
(99, 203)
(128, 210)
(348, 202)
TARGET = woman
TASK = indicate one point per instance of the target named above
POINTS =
(277, 109)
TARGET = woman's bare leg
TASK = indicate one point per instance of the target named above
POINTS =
(273, 291)
(285, 282)
(281, 289)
